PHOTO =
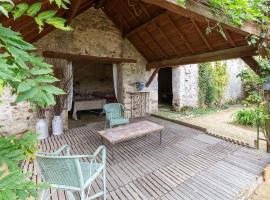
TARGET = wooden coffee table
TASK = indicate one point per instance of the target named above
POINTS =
(130, 131)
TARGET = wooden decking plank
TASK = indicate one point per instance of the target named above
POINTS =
(186, 166)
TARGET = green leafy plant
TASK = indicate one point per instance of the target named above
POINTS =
(220, 76)
(31, 79)
(206, 85)
(213, 81)
(237, 12)
(250, 117)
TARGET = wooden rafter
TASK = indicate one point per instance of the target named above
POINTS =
(252, 63)
(99, 4)
(199, 12)
(229, 38)
(202, 35)
(164, 53)
(152, 77)
(75, 5)
(144, 25)
(167, 39)
(231, 53)
(79, 57)
(180, 34)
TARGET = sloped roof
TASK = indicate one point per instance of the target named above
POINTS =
(162, 31)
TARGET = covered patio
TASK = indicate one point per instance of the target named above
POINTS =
(188, 165)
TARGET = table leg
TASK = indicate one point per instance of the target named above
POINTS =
(102, 141)
(160, 137)
(112, 152)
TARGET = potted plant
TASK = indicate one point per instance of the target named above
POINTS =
(42, 124)
(61, 100)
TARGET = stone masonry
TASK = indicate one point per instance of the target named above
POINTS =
(185, 84)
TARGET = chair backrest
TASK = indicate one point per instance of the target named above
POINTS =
(60, 170)
(113, 109)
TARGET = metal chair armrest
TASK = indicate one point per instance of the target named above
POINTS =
(65, 149)
(102, 150)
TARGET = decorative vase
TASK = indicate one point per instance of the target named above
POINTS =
(42, 129)
(57, 125)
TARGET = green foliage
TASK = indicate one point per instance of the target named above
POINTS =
(13, 184)
(250, 117)
(206, 85)
(212, 84)
(220, 77)
(31, 79)
(237, 12)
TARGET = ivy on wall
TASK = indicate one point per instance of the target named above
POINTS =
(213, 82)
(220, 80)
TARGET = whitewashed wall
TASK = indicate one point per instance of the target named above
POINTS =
(185, 84)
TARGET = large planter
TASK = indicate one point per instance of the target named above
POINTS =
(57, 125)
(42, 129)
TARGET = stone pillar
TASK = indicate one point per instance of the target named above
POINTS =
(176, 87)
(185, 86)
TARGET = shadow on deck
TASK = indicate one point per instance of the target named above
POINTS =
(188, 165)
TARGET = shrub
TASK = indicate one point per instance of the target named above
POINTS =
(249, 117)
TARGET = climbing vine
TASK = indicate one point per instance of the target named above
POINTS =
(212, 84)
(237, 12)
(220, 77)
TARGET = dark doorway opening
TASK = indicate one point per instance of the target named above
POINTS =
(165, 93)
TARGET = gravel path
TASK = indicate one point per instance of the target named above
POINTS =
(221, 123)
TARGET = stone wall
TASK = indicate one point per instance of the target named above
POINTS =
(14, 118)
(185, 84)
(94, 34)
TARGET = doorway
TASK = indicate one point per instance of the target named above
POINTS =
(93, 87)
(165, 93)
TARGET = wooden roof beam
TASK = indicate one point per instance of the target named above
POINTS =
(74, 8)
(181, 35)
(231, 53)
(252, 63)
(144, 25)
(229, 38)
(152, 77)
(79, 57)
(200, 12)
(167, 39)
(202, 35)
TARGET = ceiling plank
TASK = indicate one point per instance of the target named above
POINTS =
(79, 57)
(164, 52)
(229, 38)
(200, 12)
(180, 34)
(144, 25)
(152, 77)
(202, 35)
(167, 39)
(231, 53)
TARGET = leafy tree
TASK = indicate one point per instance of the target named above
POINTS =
(31, 79)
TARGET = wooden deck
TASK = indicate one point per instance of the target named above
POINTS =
(188, 165)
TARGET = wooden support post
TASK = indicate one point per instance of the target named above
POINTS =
(152, 77)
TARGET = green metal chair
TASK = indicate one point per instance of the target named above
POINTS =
(114, 115)
(68, 173)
